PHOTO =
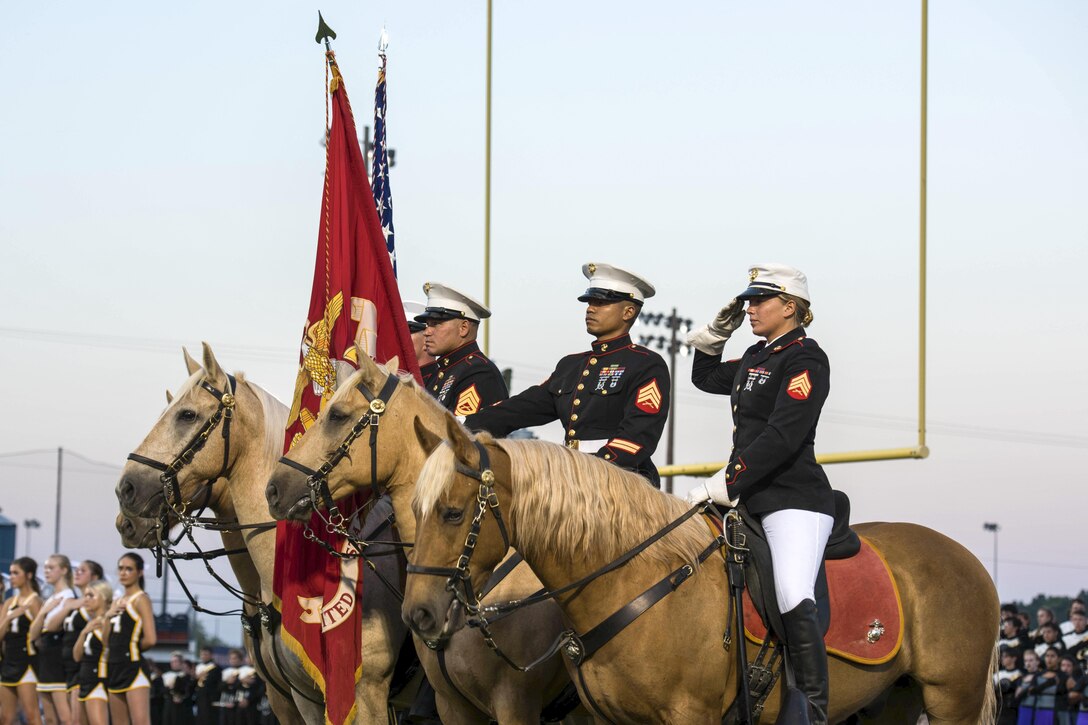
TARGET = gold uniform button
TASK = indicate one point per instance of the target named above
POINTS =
(435, 388)
(734, 429)
(593, 361)
(585, 373)
(738, 386)
(608, 456)
(734, 409)
(574, 416)
(577, 401)
(441, 375)
(604, 392)
(604, 347)
(581, 386)
(446, 361)
(776, 348)
(737, 467)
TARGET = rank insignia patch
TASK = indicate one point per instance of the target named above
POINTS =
(468, 402)
(648, 399)
(800, 386)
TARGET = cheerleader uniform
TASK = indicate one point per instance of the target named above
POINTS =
(20, 658)
(127, 670)
(92, 669)
(51, 675)
(73, 624)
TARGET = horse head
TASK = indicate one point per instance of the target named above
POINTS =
(460, 537)
(138, 533)
(371, 458)
(187, 450)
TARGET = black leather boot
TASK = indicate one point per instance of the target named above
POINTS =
(808, 656)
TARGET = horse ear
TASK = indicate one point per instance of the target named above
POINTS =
(211, 365)
(371, 372)
(190, 364)
(344, 370)
(428, 441)
(461, 441)
(393, 364)
(169, 397)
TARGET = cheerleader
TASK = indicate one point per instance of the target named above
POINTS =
(76, 617)
(88, 650)
(17, 674)
(47, 632)
(132, 630)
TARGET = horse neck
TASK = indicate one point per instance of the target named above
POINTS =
(259, 421)
(408, 459)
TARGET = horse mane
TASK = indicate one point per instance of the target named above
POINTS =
(275, 419)
(566, 503)
(571, 503)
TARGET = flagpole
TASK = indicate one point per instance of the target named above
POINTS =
(487, 194)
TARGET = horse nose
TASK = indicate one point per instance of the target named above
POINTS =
(126, 493)
(421, 620)
(128, 529)
(273, 495)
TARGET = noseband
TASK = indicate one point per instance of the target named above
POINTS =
(317, 481)
(459, 580)
(224, 413)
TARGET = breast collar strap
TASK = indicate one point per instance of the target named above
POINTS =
(224, 414)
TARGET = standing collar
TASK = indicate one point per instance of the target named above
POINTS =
(455, 356)
(612, 343)
(785, 339)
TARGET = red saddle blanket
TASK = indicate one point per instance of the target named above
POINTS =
(866, 612)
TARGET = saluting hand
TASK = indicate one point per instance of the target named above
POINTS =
(711, 339)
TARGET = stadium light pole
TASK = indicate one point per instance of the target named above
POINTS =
(675, 346)
(30, 525)
(993, 527)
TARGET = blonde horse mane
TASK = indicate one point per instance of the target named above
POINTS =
(275, 419)
(566, 503)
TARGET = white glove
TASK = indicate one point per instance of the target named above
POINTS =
(713, 489)
(711, 339)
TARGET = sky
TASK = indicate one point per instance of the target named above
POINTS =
(160, 181)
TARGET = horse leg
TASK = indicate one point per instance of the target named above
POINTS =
(956, 702)
(379, 657)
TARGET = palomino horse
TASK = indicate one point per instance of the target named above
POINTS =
(243, 463)
(571, 514)
(472, 684)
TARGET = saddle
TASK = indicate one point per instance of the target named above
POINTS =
(865, 623)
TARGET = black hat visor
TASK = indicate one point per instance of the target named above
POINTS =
(600, 294)
(440, 314)
(760, 289)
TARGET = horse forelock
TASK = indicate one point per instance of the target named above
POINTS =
(434, 478)
(567, 504)
(191, 382)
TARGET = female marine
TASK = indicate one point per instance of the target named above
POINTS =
(17, 673)
(777, 388)
(48, 632)
(88, 652)
(131, 631)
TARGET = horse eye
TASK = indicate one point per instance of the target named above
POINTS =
(453, 516)
(187, 416)
(336, 415)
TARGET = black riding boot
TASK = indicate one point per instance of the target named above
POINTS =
(805, 643)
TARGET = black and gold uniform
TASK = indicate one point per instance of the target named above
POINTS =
(73, 624)
(20, 658)
(51, 672)
(126, 667)
(465, 380)
(615, 395)
(92, 669)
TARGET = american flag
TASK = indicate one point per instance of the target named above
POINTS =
(380, 170)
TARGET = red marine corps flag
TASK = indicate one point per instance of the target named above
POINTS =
(354, 302)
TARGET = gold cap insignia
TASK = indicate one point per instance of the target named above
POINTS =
(592, 268)
(752, 274)
(426, 288)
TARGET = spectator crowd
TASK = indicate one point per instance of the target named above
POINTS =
(1043, 675)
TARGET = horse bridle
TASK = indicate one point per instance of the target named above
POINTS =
(459, 581)
(224, 413)
(317, 481)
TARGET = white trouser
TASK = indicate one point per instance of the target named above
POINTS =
(797, 539)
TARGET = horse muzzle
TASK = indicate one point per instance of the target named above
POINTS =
(287, 495)
(434, 632)
(136, 533)
(139, 493)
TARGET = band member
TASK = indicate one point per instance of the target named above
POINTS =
(463, 380)
(88, 652)
(777, 388)
(131, 631)
(48, 631)
(613, 400)
(17, 670)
